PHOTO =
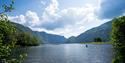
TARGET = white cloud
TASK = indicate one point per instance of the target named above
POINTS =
(32, 18)
(50, 12)
(52, 8)
(71, 21)
(67, 22)
(18, 19)
(29, 19)
(43, 2)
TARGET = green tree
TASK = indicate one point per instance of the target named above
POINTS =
(8, 31)
(7, 7)
(98, 39)
(118, 39)
(26, 39)
(35, 41)
(9, 34)
(7, 39)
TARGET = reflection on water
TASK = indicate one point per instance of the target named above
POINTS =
(69, 53)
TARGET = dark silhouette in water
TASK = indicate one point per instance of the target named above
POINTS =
(86, 45)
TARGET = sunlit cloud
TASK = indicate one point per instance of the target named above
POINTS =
(29, 19)
(70, 21)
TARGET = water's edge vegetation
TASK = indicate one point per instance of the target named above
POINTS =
(99, 43)
(11, 38)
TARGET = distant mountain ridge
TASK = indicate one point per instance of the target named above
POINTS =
(43, 36)
(103, 31)
(50, 38)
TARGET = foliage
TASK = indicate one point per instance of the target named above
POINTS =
(98, 39)
(7, 7)
(8, 31)
(96, 43)
(7, 40)
(9, 37)
(26, 39)
(118, 39)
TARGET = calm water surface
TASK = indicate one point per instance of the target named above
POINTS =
(69, 53)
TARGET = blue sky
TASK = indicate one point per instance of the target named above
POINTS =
(65, 17)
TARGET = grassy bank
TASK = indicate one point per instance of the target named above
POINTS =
(96, 43)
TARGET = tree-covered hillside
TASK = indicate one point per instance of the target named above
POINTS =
(42, 36)
(103, 31)
(10, 37)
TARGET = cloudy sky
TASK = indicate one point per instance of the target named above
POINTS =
(65, 17)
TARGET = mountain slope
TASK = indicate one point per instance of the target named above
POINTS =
(43, 36)
(21, 27)
(71, 39)
(102, 31)
(50, 38)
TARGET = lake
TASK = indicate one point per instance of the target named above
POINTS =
(69, 53)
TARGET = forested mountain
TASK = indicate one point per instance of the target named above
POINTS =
(49, 38)
(102, 31)
(42, 36)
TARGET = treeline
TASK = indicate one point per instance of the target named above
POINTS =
(26, 39)
(9, 34)
(10, 38)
